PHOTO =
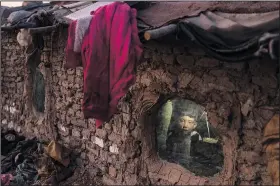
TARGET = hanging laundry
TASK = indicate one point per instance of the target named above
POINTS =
(109, 50)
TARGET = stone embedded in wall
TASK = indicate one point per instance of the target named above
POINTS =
(108, 127)
(249, 172)
(112, 172)
(207, 62)
(85, 134)
(185, 61)
(235, 66)
(18, 129)
(11, 125)
(130, 179)
(108, 181)
(12, 109)
(4, 122)
(168, 59)
(104, 156)
(265, 81)
(76, 133)
(165, 170)
(247, 107)
(94, 151)
(79, 114)
(101, 133)
(114, 149)
(185, 177)
(184, 79)
(194, 180)
(174, 176)
(115, 138)
(98, 141)
(63, 129)
(146, 79)
(78, 122)
(179, 50)
(250, 157)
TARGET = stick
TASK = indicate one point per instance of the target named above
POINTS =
(42, 29)
(160, 32)
(7, 28)
(74, 5)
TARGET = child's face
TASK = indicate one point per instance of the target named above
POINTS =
(187, 123)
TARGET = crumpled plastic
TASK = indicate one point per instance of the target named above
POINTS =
(58, 153)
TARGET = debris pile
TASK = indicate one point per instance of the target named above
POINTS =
(26, 162)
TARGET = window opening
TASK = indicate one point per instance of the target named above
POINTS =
(185, 137)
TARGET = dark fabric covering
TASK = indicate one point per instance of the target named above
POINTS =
(232, 38)
(8, 144)
(26, 173)
(24, 148)
(159, 13)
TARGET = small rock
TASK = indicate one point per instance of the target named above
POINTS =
(174, 176)
(112, 172)
(247, 107)
(79, 123)
(108, 181)
(208, 62)
(185, 60)
(237, 66)
(101, 133)
(184, 79)
(98, 141)
(114, 149)
(76, 133)
(115, 138)
(86, 134)
(168, 59)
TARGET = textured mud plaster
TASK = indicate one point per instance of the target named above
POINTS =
(123, 150)
(231, 99)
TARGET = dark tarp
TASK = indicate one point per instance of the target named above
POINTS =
(158, 13)
(233, 37)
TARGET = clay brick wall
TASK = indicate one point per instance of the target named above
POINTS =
(12, 77)
(124, 148)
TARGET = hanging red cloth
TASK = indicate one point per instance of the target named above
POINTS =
(110, 51)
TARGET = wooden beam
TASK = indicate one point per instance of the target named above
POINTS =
(160, 32)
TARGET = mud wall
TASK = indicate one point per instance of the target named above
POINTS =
(240, 99)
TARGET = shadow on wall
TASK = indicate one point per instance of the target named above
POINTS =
(185, 137)
(38, 91)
